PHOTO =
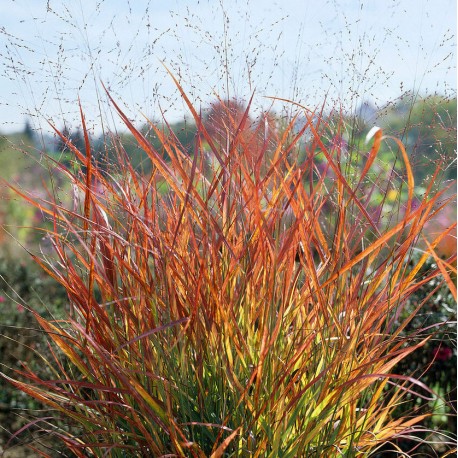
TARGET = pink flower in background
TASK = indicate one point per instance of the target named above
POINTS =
(2, 299)
(339, 143)
(441, 223)
(442, 353)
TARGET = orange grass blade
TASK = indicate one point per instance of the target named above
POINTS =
(219, 452)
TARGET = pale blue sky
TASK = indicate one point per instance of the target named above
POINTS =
(53, 52)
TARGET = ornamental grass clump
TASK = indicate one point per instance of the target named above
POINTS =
(239, 300)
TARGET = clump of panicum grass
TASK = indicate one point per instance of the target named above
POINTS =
(240, 300)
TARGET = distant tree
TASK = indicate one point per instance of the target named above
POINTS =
(223, 118)
(76, 138)
(66, 156)
(185, 132)
(61, 145)
(428, 128)
(28, 130)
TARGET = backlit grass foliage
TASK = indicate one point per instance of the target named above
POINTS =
(237, 301)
